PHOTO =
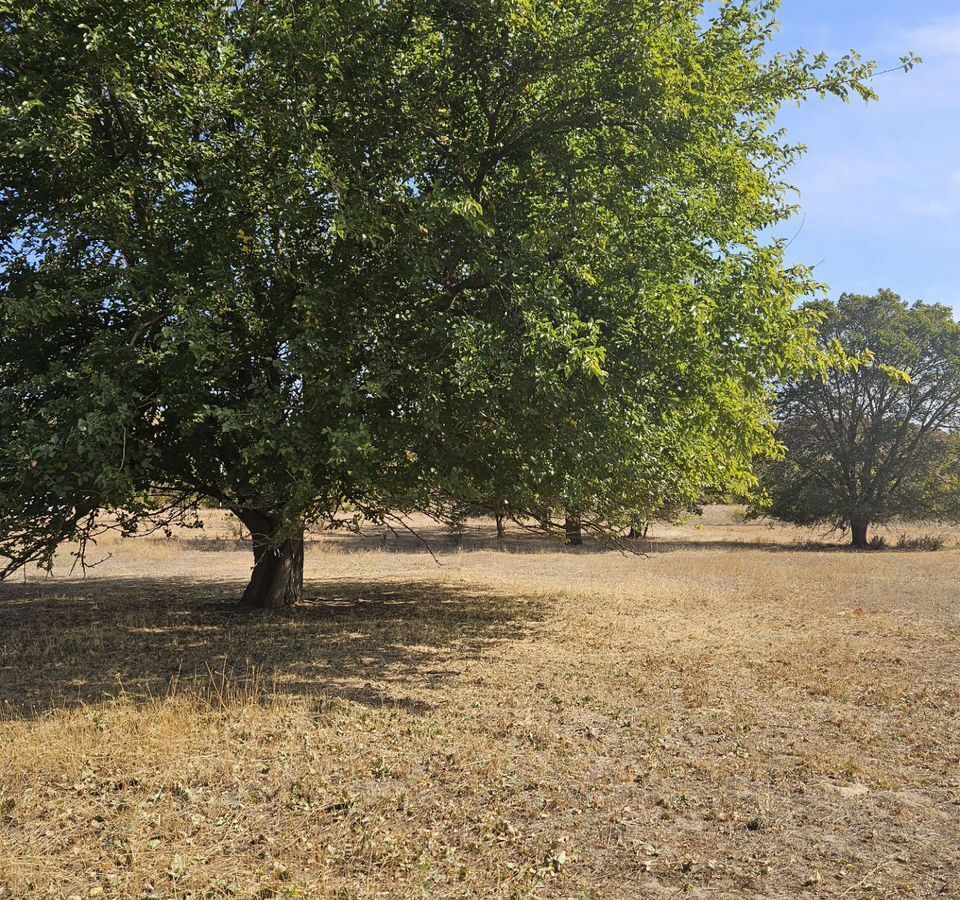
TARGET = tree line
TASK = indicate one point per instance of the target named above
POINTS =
(872, 439)
(325, 261)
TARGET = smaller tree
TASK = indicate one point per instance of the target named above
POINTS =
(876, 440)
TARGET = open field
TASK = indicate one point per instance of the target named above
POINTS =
(737, 714)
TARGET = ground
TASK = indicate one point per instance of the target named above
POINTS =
(739, 713)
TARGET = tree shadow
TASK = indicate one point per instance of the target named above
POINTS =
(422, 537)
(376, 643)
(478, 539)
(441, 544)
(666, 545)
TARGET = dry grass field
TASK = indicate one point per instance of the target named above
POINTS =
(739, 713)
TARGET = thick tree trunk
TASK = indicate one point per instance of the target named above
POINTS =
(277, 578)
(571, 528)
(501, 530)
(858, 534)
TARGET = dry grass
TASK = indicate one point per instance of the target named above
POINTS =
(736, 716)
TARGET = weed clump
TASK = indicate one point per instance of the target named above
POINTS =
(927, 542)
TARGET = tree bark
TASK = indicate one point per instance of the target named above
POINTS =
(571, 528)
(501, 530)
(858, 532)
(277, 578)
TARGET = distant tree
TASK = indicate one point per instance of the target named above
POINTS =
(322, 260)
(873, 442)
(572, 528)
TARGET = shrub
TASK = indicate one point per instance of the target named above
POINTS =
(928, 542)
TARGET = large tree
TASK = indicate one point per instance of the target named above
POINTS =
(878, 440)
(339, 257)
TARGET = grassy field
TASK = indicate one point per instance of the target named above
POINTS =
(740, 713)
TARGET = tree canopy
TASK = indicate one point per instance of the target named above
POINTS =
(877, 441)
(324, 259)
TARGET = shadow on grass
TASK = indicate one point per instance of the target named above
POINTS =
(375, 643)
(441, 543)
(665, 545)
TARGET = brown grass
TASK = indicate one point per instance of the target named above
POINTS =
(735, 715)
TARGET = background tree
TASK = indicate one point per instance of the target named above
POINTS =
(672, 514)
(321, 260)
(878, 441)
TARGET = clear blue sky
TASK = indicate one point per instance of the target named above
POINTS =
(880, 186)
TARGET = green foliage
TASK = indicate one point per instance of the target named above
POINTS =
(306, 258)
(876, 439)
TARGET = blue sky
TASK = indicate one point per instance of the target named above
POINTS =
(880, 185)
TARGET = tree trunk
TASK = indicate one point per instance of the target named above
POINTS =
(859, 535)
(277, 578)
(501, 530)
(571, 528)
